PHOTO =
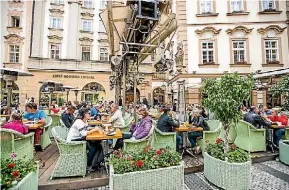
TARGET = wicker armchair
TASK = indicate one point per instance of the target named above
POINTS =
(137, 145)
(249, 138)
(286, 136)
(45, 139)
(13, 141)
(55, 122)
(212, 135)
(127, 116)
(163, 140)
(127, 124)
(72, 159)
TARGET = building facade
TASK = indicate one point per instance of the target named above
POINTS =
(228, 36)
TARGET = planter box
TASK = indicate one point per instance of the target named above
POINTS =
(170, 178)
(227, 175)
(283, 151)
(28, 182)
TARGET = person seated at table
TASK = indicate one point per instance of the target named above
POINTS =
(275, 117)
(33, 114)
(255, 119)
(16, 124)
(95, 112)
(138, 130)
(78, 132)
(266, 111)
(197, 121)
(116, 119)
(68, 116)
(167, 124)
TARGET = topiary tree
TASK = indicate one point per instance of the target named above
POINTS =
(225, 97)
(282, 89)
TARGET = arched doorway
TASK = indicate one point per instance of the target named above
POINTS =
(158, 96)
(129, 96)
(14, 95)
(93, 93)
(59, 95)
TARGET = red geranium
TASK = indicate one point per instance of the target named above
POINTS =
(11, 165)
(233, 146)
(218, 141)
(118, 156)
(139, 163)
(159, 151)
(15, 173)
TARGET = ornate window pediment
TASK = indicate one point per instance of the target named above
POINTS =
(85, 39)
(239, 31)
(56, 11)
(87, 14)
(55, 37)
(208, 32)
(14, 38)
(271, 31)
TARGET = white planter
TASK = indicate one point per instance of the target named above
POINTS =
(227, 175)
(170, 178)
(29, 182)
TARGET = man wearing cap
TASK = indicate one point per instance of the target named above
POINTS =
(167, 124)
(95, 111)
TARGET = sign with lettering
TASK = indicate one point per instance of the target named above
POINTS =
(73, 76)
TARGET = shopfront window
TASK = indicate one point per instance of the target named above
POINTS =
(93, 93)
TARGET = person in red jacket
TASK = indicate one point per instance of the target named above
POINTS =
(16, 124)
(275, 117)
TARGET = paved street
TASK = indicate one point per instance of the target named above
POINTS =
(269, 175)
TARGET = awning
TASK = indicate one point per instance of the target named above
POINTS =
(14, 72)
(271, 73)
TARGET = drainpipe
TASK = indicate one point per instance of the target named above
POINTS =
(32, 26)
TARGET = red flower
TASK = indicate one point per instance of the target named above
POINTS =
(139, 163)
(233, 146)
(118, 156)
(11, 165)
(207, 141)
(218, 141)
(15, 173)
(115, 152)
(159, 151)
(129, 157)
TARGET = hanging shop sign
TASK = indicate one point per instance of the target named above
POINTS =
(73, 76)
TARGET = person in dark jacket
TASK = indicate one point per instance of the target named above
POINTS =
(67, 116)
(167, 124)
(197, 121)
(255, 119)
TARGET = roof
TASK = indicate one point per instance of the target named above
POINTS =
(271, 73)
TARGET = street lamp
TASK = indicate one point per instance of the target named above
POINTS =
(76, 90)
(67, 89)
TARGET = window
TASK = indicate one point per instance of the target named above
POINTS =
(208, 52)
(56, 22)
(14, 52)
(15, 21)
(85, 53)
(103, 54)
(153, 56)
(271, 51)
(103, 4)
(54, 51)
(87, 3)
(58, 2)
(268, 5)
(206, 6)
(101, 26)
(87, 25)
(239, 51)
(236, 5)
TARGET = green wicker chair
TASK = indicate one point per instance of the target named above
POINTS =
(212, 135)
(126, 116)
(250, 138)
(13, 141)
(137, 145)
(45, 139)
(232, 134)
(55, 122)
(286, 136)
(127, 124)
(163, 140)
(72, 160)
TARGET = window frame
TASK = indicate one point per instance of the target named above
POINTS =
(88, 21)
(103, 4)
(200, 6)
(15, 53)
(50, 51)
(100, 53)
(12, 21)
(85, 5)
(239, 49)
(207, 52)
(85, 52)
(58, 2)
(59, 22)
(273, 9)
(270, 49)
(242, 6)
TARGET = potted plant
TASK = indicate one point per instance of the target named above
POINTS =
(148, 169)
(226, 166)
(19, 174)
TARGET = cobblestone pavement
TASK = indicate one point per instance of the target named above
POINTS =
(271, 175)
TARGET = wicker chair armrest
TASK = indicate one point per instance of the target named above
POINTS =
(258, 132)
(210, 132)
(31, 134)
(135, 141)
(74, 143)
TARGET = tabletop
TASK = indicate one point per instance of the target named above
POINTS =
(4, 115)
(97, 135)
(34, 126)
(275, 126)
(96, 122)
(183, 128)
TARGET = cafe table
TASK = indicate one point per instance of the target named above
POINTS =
(32, 125)
(96, 122)
(271, 129)
(185, 129)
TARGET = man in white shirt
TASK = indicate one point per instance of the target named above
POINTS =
(116, 119)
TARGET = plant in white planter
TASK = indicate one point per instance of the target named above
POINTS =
(148, 169)
(18, 174)
(227, 166)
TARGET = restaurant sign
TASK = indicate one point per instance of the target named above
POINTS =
(73, 76)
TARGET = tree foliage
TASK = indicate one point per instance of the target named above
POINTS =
(282, 89)
(225, 97)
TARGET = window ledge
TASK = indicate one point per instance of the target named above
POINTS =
(83, 31)
(272, 65)
(12, 63)
(88, 8)
(19, 28)
(240, 65)
(104, 33)
(269, 12)
(55, 29)
(208, 65)
(207, 15)
(238, 14)
(56, 4)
